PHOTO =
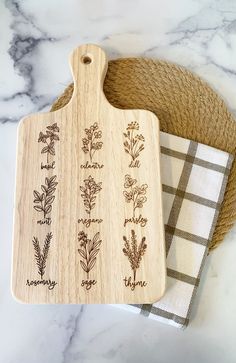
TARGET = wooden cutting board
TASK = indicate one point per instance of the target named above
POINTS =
(88, 222)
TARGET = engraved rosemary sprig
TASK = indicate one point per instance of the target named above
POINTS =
(41, 257)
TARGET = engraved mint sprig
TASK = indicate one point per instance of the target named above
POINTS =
(43, 201)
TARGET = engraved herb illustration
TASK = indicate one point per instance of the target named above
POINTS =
(88, 250)
(48, 139)
(43, 201)
(41, 260)
(89, 195)
(91, 144)
(134, 252)
(133, 144)
(136, 195)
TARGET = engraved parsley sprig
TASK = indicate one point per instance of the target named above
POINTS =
(135, 194)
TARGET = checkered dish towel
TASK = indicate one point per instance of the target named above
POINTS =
(194, 177)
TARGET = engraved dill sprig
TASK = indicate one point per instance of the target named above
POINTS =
(134, 143)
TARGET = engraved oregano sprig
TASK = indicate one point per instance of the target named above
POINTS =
(49, 138)
(133, 143)
(134, 252)
(88, 251)
(43, 201)
(136, 194)
(89, 191)
(91, 142)
(41, 257)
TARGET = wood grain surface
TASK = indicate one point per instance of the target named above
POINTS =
(88, 223)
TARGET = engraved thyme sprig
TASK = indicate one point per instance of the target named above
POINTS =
(134, 252)
(133, 144)
(43, 201)
(90, 142)
(135, 194)
(89, 191)
(49, 138)
(41, 257)
(88, 251)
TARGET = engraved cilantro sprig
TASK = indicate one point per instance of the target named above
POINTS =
(91, 142)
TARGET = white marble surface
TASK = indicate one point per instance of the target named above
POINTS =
(35, 39)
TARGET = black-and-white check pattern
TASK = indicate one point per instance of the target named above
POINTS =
(194, 178)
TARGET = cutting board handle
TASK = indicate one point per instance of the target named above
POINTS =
(89, 66)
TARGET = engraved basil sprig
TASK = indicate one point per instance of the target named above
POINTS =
(49, 138)
(43, 201)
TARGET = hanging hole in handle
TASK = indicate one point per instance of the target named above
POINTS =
(86, 59)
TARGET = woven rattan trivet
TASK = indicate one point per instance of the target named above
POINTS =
(185, 105)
